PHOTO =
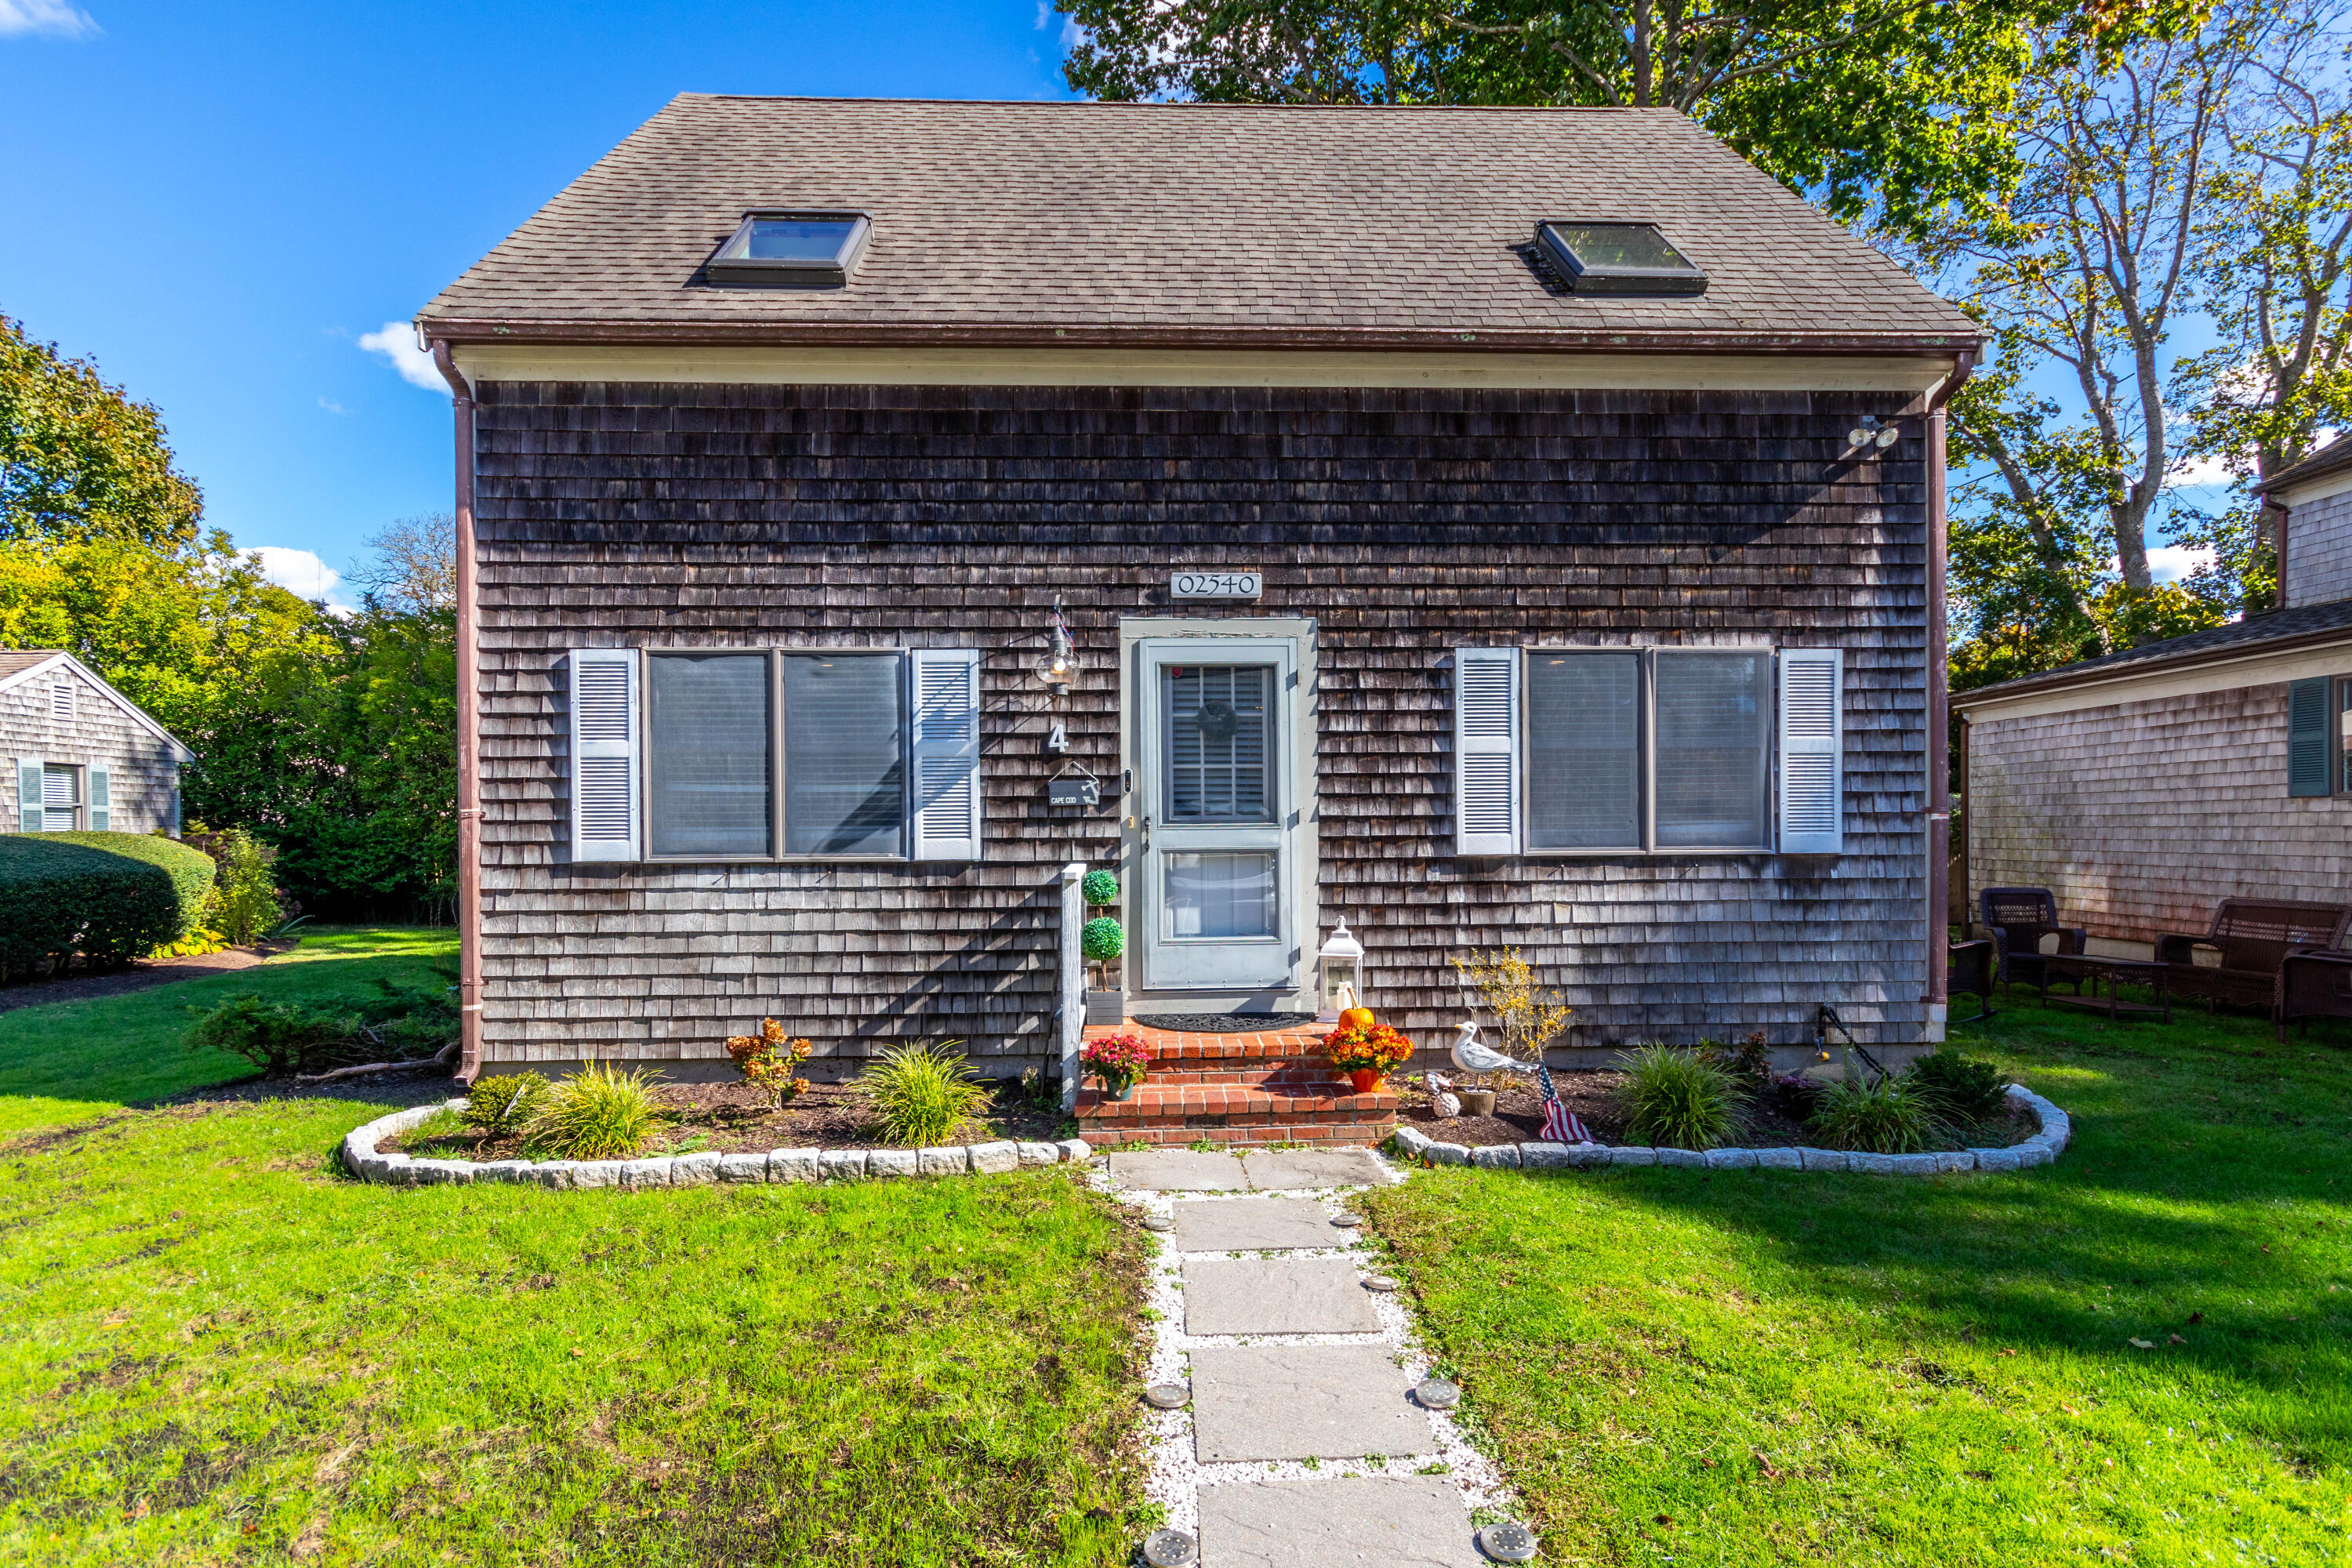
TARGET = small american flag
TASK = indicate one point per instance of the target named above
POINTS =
(1560, 1124)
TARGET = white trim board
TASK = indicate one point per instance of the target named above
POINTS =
(1909, 374)
(68, 662)
(2309, 490)
(2253, 668)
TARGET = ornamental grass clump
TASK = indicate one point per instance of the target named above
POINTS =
(602, 1114)
(922, 1093)
(1677, 1099)
(1887, 1117)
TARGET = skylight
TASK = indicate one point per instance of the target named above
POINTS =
(803, 248)
(1618, 259)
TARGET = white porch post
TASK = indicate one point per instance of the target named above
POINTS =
(1073, 980)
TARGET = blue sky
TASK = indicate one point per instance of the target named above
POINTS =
(218, 203)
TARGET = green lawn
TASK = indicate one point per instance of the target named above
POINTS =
(1756, 1367)
(216, 1349)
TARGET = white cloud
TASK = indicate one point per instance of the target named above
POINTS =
(302, 574)
(397, 343)
(45, 19)
(2199, 473)
(2170, 562)
(332, 406)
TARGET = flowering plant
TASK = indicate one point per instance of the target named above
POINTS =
(769, 1060)
(1375, 1047)
(1117, 1060)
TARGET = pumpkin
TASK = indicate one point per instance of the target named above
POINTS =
(1355, 1018)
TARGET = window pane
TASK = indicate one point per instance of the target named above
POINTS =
(845, 772)
(706, 770)
(1218, 895)
(1219, 765)
(1713, 711)
(797, 239)
(1584, 751)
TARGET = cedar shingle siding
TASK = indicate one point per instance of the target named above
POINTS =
(144, 777)
(2320, 552)
(1404, 522)
(2142, 815)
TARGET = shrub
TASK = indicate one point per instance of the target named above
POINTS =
(1962, 1088)
(602, 1114)
(1750, 1059)
(504, 1105)
(113, 897)
(1528, 1016)
(1102, 939)
(1888, 1117)
(246, 904)
(1793, 1095)
(279, 1038)
(921, 1094)
(1099, 887)
(771, 1061)
(1678, 1098)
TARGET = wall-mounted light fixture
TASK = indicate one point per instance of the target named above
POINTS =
(1873, 432)
(1060, 665)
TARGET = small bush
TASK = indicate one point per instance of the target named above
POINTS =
(921, 1094)
(1962, 1088)
(111, 896)
(1678, 1100)
(770, 1061)
(1750, 1060)
(246, 904)
(1102, 939)
(600, 1115)
(1793, 1095)
(279, 1038)
(1888, 1117)
(504, 1105)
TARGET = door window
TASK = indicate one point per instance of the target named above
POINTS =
(1220, 767)
(1212, 896)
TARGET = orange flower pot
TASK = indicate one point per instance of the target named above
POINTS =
(1366, 1079)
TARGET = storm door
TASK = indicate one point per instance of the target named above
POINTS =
(1215, 815)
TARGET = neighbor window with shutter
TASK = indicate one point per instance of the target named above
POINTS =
(1645, 749)
(757, 754)
(60, 798)
(2316, 758)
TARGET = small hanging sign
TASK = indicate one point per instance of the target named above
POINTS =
(1073, 792)
(1216, 585)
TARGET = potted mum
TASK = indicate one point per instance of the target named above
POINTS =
(1365, 1050)
(1120, 1060)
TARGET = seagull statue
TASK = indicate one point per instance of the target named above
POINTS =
(1472, 1056)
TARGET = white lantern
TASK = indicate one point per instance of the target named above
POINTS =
(1340, 972)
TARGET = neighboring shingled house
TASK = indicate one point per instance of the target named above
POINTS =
(85, 756)
(2145, 786)
(1491, 526)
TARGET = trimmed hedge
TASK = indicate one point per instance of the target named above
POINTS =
(111, 896)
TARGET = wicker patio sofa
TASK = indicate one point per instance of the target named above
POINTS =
(2019, 918)
(2314, 985)
(2256, 937)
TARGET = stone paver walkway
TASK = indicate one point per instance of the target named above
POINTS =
(1303, 1446)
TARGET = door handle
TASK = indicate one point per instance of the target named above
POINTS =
(1146, 831)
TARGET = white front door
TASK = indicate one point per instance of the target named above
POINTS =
(1215, 814)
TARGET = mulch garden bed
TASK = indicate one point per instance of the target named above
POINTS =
(1592, 1096)
(732, 1118)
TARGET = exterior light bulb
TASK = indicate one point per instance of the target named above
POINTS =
(1888, 437)
(1857, 437)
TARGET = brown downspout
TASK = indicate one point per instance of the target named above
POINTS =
(1939, 697)
(469, 774)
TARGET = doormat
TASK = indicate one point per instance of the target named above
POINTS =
(1223, 1022)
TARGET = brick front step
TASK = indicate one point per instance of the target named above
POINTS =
(1238, 1114)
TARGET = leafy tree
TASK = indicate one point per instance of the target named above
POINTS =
(81, 460)
(1883, 103)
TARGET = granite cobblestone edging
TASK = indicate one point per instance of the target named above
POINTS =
(702, 1169)
(2040, 1149)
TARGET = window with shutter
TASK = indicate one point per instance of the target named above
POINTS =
(946, 754)
(604, 696)
(1486, 751)
(60, 798)
(2307, 760)
(1713, 748)
(845, 755)
(1812, 816)
(101, 801)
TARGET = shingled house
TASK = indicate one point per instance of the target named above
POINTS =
(86, 758)
(1485, 525)
(2145, 786)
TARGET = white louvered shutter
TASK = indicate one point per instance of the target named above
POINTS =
(102, 805)
(945, 754)
(1486, 751)
(605, 683)
(29, 810)
(1812, 744)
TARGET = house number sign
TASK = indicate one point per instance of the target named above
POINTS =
(1216, 585)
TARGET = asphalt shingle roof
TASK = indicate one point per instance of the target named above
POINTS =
(2337, 454)
(2237, 636)
(15, 660)
(1185, 223)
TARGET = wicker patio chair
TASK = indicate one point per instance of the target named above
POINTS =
(2256, 937)
(1970, 967)
(2314, 985)
(2019, 918)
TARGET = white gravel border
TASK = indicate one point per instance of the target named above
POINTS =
(396, 1170)
(2044, 1146)
(1175, 1474)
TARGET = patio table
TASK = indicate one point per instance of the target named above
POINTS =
(2083, 968)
